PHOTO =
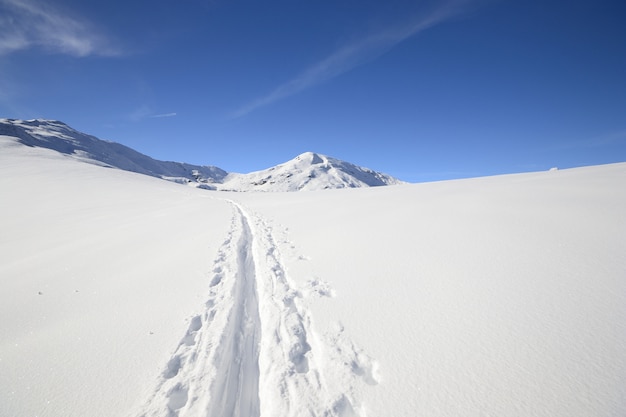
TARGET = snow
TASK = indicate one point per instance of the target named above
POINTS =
(125, 295)
(308, 171)
(56, 135)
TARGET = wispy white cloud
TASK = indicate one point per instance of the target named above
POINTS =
(159, 116)
(30, 23)
(145, 112)
(354, 55)
(140, 113)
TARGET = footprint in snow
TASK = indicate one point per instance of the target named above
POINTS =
(320, 288)
(172, 368)
(360, 364)
(194, 326)
(177, 397)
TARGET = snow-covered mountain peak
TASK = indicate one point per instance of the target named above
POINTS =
(311, 158)
(307, 171)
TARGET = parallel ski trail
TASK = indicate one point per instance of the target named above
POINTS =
(235, 390)
(214, 370)
(294, 363)
(251, 352)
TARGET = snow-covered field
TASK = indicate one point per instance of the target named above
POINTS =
(125, 295)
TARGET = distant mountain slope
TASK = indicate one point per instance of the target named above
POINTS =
(60, 137)
(308, 171)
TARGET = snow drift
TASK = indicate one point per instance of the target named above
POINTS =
(124, 295)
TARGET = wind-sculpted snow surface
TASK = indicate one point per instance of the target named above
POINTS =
(252, 352)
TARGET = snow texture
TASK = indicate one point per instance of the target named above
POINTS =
(124, 295)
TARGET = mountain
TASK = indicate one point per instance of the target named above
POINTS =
(56, 135)
(308, 171)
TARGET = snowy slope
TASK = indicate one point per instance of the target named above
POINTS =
(501, 296)
(99, 269)
(60, 137)
(123, 295)
(308, 171)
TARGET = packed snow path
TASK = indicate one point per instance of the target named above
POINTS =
(252, 352)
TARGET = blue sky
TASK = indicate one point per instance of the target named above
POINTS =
(422, 90)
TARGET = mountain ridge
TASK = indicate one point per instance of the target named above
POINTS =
(307, 171)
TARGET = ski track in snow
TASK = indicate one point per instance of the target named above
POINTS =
(251, 351)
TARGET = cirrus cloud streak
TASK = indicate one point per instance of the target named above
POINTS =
(353, 55)
(32, 24)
